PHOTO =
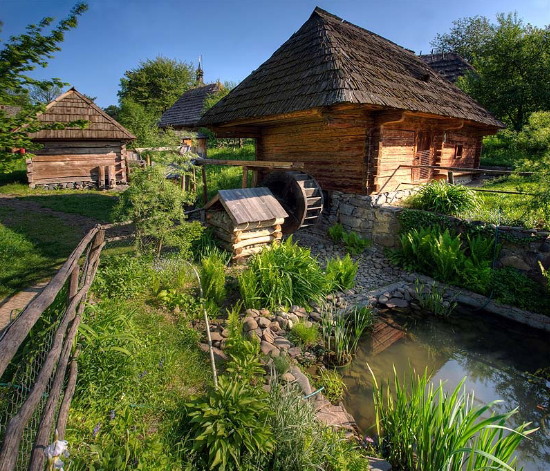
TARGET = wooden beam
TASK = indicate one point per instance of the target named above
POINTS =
(251, 163)
(245, 177)
(204, 186)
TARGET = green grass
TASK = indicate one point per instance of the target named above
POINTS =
(32, 246)
(508, 209)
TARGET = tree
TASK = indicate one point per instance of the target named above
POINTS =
(20, 55)
(156, 84)
(45, 94)
(511, 61)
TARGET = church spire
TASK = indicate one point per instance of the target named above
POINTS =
(200, 74)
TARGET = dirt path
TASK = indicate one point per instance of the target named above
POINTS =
(11, 306)
(82, 223)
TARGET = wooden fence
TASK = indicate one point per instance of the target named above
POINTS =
(38, 366)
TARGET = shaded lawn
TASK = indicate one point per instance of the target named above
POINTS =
(32, 246)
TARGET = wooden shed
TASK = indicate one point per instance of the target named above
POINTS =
(245, 220)
(183, 116)
(74, 157)
(356, 108)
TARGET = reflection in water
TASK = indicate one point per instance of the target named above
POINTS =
(497, 356)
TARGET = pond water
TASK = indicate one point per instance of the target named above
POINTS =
(497, 356)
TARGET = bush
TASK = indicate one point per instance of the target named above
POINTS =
(230, 425)
(122, 276)
(333, 383)
(336, 232)
(212, 273)
(353, 242)
(341, 273)
(424, 428)
(441, 197)
(284, 274)
(304, 335)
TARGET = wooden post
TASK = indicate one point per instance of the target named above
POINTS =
(254, 178)
(73, 282)
(204, 187)
(245, 177)
(194, 181)
(148, 157)
(101, 177)
(451, 177)
(183, 182)
(111, 177)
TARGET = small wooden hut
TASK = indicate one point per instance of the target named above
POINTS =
(75, 157)
(245, 220)
(183, 116)
(364, 114)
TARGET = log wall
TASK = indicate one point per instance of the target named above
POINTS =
(333, 154)
(76, 161)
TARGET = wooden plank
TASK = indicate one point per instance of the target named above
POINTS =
(101, 179)
(245, 177)
(79, 157)
(250, 163)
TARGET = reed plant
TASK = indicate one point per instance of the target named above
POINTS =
(423, 427)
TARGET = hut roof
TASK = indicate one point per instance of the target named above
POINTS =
(450, 65)
(189, 108)
(330, 61)
(10, 110)
(73, 106)
(249, 205)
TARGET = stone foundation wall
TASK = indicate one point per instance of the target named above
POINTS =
(373, 217)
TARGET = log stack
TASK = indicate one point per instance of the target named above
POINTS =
(245, 220)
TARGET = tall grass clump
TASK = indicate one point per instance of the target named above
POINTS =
(341, 273)
(432, 299)
(284, 274)
(441, 197)
(424, 428)
(304, 335)
(212, 274)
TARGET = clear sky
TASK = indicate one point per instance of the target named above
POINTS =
(234, 37)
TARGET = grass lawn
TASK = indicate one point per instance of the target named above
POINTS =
(32, 245)
(509, 209)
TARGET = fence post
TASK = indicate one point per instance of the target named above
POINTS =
(451, 177)
(73, 282)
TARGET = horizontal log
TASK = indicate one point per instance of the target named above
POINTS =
(258, 240)
(73, 157)
(250, 163)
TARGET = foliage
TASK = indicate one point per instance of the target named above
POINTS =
(229, 424)
(432, 299)
(212, 99)
(341, 331)
(284, 274)
(178, 301)
(341, 273)
(424, 428)
(333, 383)
(303, 444)
(244, 360)
(282, 363)
(212, 273)
(122, 276)
(353, 242)
(441, 197)
(155, 205)
(20, 55)
(511, 61)
(304, 335)
(156, 84)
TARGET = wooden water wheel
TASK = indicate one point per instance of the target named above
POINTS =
(299, 194)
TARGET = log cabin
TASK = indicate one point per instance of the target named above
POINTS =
(78, 157)
(353, 107)
(183, 116)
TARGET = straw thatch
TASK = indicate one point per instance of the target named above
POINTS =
(329, 61)
(449, 65)
(189, 108)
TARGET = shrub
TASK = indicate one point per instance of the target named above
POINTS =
(282, 275)
(304, 335)
(341, 273)
(353, 242)
(336, 232)
(441, 197)
(424, 428)
(244, 360)
(181, 302)
(230, 424)
(333, 383)
(122, 276)
(510, 286)
(212, 273)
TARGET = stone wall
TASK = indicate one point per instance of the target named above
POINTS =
(373, 217)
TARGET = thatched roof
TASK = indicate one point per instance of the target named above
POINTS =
(330, 61)
(73, 106)
(189, 108)
(448, 64)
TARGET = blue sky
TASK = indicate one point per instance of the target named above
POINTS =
(234, 37)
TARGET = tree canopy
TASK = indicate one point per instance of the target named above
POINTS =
(157, 83)
(20, 55)
(511, 61)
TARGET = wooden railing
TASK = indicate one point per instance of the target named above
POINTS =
(41, 405)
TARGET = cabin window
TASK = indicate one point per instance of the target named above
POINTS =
(459, 148)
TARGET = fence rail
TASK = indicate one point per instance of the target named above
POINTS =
(37, 363)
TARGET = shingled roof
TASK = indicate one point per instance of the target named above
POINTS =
(449, 64)
(189, 108)
(73, 106)
(330, 61)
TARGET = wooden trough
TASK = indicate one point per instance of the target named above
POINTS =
(245, 220)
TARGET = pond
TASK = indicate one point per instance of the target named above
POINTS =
(497, 356)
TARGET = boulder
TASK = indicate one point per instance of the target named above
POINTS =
(397, 302)
(274, 326)
(263, 322)
(288, 378)
(268, 335)
(268, 349)
(252, 313)
(249, 323)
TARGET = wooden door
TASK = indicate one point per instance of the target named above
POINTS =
(423, 156)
